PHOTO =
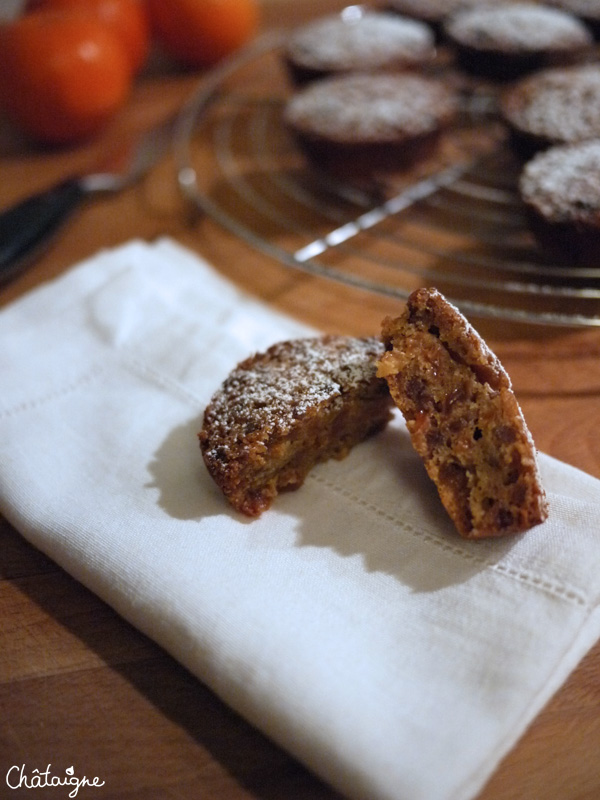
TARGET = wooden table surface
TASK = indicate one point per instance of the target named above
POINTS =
(80, 686)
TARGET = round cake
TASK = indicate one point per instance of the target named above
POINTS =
(431, 12)
(561, 191)
(586, 10)
(281, 412)
(505, 41)
(357, 40)
(360, 123)
(552, 107)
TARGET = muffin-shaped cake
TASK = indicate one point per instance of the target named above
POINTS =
(282, 411)
(463, 418)
(431, 12)
(586, 10)
(507, 40)
(553, 107)
(357, 40)
(561, 191)
(360, 123)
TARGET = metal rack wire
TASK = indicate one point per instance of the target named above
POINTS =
(456, 222)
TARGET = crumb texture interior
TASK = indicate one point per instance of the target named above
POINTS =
(463, 418)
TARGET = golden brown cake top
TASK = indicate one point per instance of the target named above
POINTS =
(269, 392)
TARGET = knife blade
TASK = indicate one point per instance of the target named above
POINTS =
(29, 225)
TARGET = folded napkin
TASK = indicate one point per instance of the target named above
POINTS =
(350, 622)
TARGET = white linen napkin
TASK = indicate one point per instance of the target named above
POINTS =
(350, 622)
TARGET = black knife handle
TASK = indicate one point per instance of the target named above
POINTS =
(28, 225)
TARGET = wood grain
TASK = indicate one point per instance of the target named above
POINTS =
(79, 686)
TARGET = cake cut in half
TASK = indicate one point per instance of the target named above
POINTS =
(463, 418)
(282, 411)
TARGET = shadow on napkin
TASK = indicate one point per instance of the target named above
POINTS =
(187, 492)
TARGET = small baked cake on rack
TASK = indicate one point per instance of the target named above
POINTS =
(431, 12)
(463, 418)
(503, 41)
(282, 411)
(561, 191)
(552, 107)
(357, 40)
(359, 123)
(586, 10)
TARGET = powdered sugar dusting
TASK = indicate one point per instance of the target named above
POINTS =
(588, 9)
(369, 40)
(370, 107)
(561, 105)
(522, 27)
(271, 392)
(430, 10)
(563, 183)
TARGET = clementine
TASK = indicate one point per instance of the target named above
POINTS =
(198, 33)
(62, 75)
(127, 18)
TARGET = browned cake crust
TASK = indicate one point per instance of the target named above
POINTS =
(586, 10)
(552, 107)
(431, 12)
(362, 122)
(281, 412)
(508, 39)
(560, 189)
(463, 418)
(357, 40)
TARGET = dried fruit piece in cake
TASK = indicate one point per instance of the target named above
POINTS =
(281, 412)
(463, 418)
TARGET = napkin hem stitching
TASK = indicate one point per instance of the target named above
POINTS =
(145, 370)
(536, 581)
(26, 405)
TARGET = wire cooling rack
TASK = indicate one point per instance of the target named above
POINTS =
(455, 222)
